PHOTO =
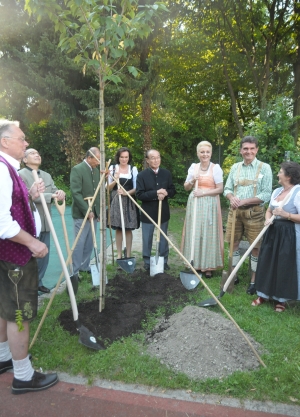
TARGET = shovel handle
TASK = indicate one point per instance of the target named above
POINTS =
(58, 248)
(60, 207)
(89, 200)
(158, 221)
(194, 224)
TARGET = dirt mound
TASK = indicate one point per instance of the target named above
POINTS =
(198, 342)
(202, 344)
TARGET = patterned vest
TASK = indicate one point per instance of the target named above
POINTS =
(20, 211)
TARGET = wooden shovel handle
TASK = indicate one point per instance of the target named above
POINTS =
(89, 200)
(61, 208)
(158, 221)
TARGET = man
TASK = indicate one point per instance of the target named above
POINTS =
(19, 249)
(83, 182)
(154, 184)
(248, 188)
(33, 160)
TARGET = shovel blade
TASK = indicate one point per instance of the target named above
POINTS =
(127, 264)
(87, 338)
(156, 267)
(209, 302)
(189, 279)
(95, 275)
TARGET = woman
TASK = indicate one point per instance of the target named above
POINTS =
(126, 174)
(208, 245)
(279, 258)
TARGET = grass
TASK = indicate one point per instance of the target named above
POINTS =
(126, 360)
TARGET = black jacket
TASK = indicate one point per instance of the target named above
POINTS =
(147, 184)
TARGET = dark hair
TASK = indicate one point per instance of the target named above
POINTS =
(249, 139)
(118, 154)
(292, 170)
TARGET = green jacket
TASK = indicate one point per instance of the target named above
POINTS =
(83, 183)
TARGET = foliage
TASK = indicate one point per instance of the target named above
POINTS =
(47, 138)
(60, 183)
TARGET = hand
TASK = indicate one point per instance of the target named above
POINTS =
(121, 192)
(278, 211)
(162, 191)
(235, 202)
(37, 188)
(91, 216)
(199, 193)
(38, 249)
(60, 195)
(268, 221)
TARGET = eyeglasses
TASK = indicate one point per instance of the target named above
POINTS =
(154, 158)
(23, 139)
(33, 153)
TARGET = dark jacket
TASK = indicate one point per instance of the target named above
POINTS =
(147, 184)
(83, 183)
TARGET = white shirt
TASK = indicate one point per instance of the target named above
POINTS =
(9, 227)
(217, 173)
(127, 176)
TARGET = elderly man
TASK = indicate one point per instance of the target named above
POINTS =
(19, 249)
(33, 160)
(248, 188)
(154, 184)
(84, 181)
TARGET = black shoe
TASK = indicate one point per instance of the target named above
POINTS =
(166, 267)
(43, 289)
(146, 267)
(7, 365)
(236, 281)
(251, 289)
(38, 382)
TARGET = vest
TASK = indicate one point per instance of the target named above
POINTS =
(10, 251)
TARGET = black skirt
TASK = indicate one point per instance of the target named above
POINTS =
(276, 274)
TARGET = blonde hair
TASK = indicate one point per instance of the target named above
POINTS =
(203, 143)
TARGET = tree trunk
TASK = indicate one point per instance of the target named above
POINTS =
(146, 120)
(296, 93)
(102, 196)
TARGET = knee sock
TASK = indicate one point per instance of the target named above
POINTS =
(5, 354)
(235, 257)
(253, 263)
(23, 369)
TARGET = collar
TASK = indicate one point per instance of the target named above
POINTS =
(155, 170)
(30, 169)
(12, 161)
(253, 163)
(88, 164)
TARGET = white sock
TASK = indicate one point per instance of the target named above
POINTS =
(23, 369)
(5, 354)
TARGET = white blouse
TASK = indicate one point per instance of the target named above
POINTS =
(217, 173)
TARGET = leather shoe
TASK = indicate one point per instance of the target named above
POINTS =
(7, 365)
(146, 267)
(38, 382)
(43, 289)
(166, 267)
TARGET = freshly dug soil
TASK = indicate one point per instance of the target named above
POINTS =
(128, 298)
(198, 342)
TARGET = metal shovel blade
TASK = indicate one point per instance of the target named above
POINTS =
(156, 266)
(95, 275)
(127, 264)
(210, 302)
(189, 279)
(87, 338)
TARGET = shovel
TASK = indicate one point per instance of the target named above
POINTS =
(61, 209)
(94, 268)
(157, 262)
(86, 337)
(127, 264)
(188, 278)
(211, 301)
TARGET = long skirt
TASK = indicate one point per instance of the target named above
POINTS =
(276, 275)
(130, 212)
(208, 247)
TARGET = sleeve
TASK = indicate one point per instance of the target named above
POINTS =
(134, 176)
(171, 187)
(142, 191)
(265, 186)
(191, 172)
(217, 174)
(76, 190)
(229, 186)
(50, 188)
(8, 227)
(297, 202)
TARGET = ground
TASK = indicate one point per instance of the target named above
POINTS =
(196, 341)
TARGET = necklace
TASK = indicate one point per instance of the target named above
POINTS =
(204, 170)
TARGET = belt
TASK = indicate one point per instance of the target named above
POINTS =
(249, 206)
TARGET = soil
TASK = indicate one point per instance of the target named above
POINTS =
(198, 342)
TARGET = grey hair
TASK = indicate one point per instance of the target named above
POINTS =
(5, 126)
